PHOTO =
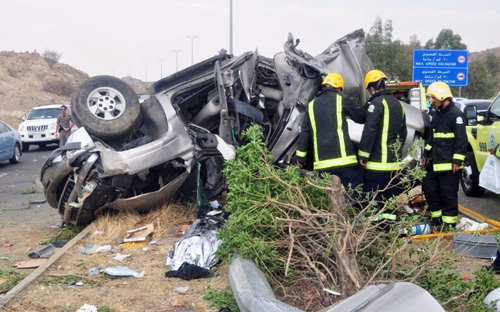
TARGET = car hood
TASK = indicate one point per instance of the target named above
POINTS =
(38, 122)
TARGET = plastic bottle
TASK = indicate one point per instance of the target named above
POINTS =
(420, 229)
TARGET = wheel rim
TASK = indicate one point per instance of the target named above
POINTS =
(17, 153)
(106, 103)
(467, 176)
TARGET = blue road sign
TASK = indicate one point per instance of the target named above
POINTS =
(449, 66)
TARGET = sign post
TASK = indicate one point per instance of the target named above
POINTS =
(449, 66)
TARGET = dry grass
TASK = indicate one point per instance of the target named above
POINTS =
(114, 226)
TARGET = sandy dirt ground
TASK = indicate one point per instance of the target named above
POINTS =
(55, 290)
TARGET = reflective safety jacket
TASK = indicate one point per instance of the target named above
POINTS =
(325, 127)
(385, 125)
(447, 143)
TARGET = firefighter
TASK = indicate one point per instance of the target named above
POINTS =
(381, 147)
(325, 128)
(444, 154)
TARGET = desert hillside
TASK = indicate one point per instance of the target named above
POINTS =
(27, 80)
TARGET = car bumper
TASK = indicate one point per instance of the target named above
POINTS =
(48, 136)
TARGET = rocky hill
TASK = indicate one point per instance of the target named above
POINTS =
(27, 80)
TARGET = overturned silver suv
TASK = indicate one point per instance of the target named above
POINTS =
(136, 156)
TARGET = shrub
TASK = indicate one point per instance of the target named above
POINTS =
(51, 57)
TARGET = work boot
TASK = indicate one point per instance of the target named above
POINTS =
(448, 227)
(436, 225)
(492, 267)
(495, 266)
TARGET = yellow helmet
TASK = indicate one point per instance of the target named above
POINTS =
(335, 80)
(374, 75)
(439, 90)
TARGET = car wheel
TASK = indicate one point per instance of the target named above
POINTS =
(17, 155)
(107, 107)
(470, 177)
(26, 147)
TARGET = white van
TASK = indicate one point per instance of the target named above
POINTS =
(39, 127)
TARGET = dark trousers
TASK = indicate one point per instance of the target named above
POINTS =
(441, 192)
(380, 183)
(349, 176)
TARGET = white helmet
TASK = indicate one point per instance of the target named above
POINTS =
(492, 300)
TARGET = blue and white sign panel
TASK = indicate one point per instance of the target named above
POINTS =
(450, 66)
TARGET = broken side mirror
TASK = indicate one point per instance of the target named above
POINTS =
(471, 115)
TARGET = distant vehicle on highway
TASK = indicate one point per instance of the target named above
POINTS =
(39, 128)
(10, 144)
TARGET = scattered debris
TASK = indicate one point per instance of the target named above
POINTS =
(182, 289)
(7, 245)
(87, 308)
(120, 257)
(332, 292)
(94, 248)
(475, 246)
(38, 201)
(467, 224)
(94, 271)
(198, 244)
(139, 234)
(188, 271)
(122, 272)
(97, 232)
(45, 252)
(30, 264)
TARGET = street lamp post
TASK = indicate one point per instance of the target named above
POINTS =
(176, 59)
(230, 26)
(192, 39)
(145, 71)
(161, 67)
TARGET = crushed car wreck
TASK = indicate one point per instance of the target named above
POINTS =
(141, 154)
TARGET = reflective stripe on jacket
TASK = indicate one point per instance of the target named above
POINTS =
(326, 128)
(385, 125)
(447, 144)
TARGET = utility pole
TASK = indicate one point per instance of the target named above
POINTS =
(176, 59)
(230, 26)
(192, 39)
(145, 71)
(128, 71)
(161, 67)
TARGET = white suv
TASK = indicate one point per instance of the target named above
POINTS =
(40, 126)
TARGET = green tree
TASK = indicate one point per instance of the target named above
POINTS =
(481, 84)
(446, 40)
(492, 64)
(392, 57)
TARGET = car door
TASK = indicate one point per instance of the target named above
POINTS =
(488, 133)
(5, 142)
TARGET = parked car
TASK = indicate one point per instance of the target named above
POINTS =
(138, 155)
(10, 144)
(39, 127)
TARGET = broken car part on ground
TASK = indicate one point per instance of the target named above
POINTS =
(141, 154)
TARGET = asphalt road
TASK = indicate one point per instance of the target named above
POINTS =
(19, 186)
(23, 177)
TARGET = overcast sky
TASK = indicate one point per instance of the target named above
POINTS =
(118, 37)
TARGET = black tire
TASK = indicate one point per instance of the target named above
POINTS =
(17, 155)
(107, 107)
(470, 177)
(42, 145)
(26, 147)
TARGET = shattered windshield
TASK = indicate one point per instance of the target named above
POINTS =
(44, 113)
